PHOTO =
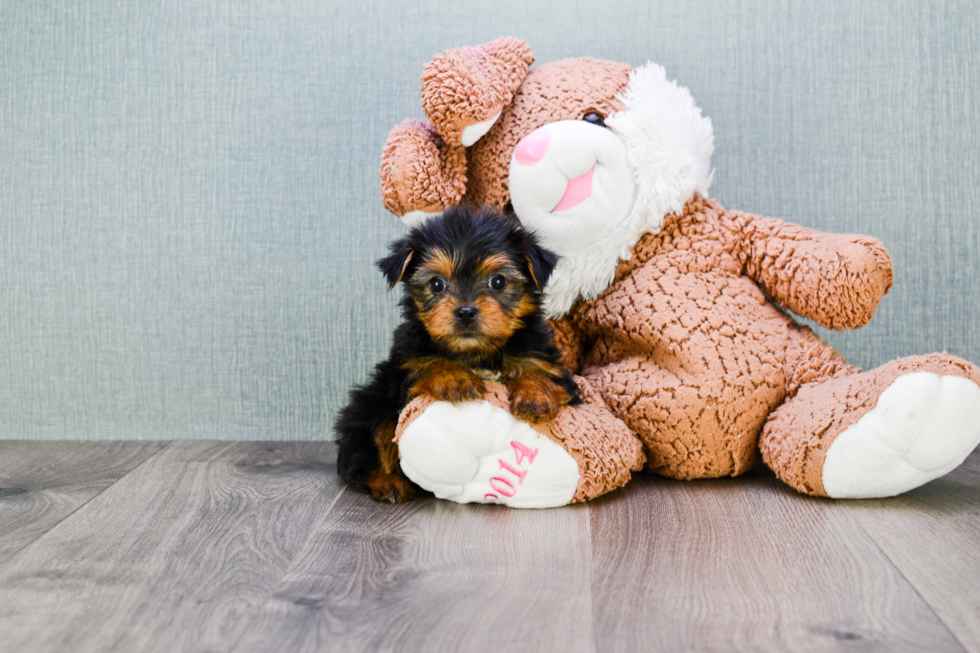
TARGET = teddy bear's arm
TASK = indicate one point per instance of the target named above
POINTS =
(419, 172)
(570, 342)
(836, 280)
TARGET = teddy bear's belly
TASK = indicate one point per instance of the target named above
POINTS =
(694, 369)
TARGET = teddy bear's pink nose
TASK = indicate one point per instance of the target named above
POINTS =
(532, 147)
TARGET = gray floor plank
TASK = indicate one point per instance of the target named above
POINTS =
(434, 576)
(176, 556)
(41, 483)
(932, 535)
(746, 564)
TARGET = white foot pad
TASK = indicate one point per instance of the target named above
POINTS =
(922, 427)
(475, 452)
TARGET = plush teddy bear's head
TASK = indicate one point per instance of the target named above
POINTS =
(590, 154)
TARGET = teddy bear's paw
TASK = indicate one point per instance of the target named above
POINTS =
(475, 452)
(420, 174)
(922, 427)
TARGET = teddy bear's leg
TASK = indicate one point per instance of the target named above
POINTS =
(877, 433)
(686, 436)
(477, 452)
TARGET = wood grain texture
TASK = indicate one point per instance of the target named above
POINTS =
(932, 535)
(42, 483)
(176, 556)
(218, 547)
(746, 564)
(434, 576)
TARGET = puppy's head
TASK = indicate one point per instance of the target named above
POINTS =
(471, 278)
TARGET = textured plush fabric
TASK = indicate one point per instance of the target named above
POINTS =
(189, 206)
(687, 349)
(693, 357)
(464, 86)
(419, 171)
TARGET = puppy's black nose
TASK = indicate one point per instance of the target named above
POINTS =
(466, 314)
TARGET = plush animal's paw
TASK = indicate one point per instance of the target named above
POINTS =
(420, 174)
(476, 452)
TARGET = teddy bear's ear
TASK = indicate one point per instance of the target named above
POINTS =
(464, 90)
(420, 174)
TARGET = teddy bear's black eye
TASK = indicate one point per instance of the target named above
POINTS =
(437, 285)
(594, 118)
(497, 282)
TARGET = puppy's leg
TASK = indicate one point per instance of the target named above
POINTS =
(386, 482)
(444, 380)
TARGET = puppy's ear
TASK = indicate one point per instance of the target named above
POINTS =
(540, 263)
(395, 265)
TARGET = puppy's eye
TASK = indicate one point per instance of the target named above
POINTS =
(594, 118)
(497, 282)
(437, 285)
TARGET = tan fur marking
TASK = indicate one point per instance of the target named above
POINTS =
(492, 263)
(530, 268)
(387, 451)
(440, 262)
(515, 366)
(408, 259)
(494, 320)
(440, 320)
(443, 379)
(387, 483)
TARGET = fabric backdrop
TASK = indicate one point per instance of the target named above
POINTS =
(189, 205)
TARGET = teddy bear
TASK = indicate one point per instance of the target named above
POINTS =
(672, 310)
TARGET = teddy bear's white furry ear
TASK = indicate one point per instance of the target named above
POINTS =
(464, 90)
(668, 142)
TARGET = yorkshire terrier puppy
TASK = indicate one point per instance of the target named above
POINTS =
(471, 310)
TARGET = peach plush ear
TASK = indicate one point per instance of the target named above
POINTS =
(420, 174)
(464, 90)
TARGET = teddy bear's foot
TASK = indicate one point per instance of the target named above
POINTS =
(922, 427)
(879, 433)
(477, 452)
(474, 452)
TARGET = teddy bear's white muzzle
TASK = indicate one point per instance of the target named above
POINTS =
(570, 181)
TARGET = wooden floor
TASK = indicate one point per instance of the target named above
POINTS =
(217, 547)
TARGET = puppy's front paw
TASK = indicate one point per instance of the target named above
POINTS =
(535, 397)
(531, 408)
(393, 488)
(453, 386)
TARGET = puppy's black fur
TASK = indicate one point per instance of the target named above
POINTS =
(471, 307)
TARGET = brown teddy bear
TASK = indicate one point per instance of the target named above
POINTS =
(663, 301)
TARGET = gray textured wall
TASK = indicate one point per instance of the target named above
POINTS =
(188, 188)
